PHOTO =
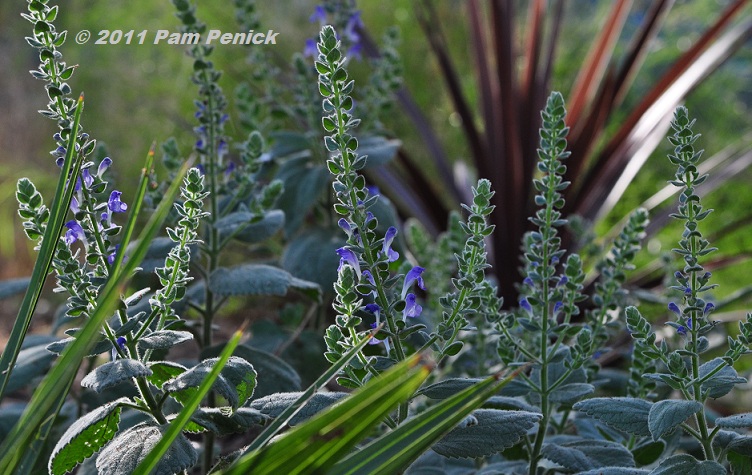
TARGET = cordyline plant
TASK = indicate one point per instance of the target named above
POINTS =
(501, 136)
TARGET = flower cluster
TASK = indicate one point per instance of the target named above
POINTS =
(345, 19)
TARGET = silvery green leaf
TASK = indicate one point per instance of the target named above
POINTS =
(114, 372)
(616, 471)
(687, 465)
(493, 432)
(448, 387)
(667, 415)
(570, 393)
(305, 182)
(517, 467)
(242, 376)
(188, 382)
(11, 287)
(163, 371)
(60, 345)
(737, 421)
(586, 455)
(274, 374)
(379, 150)
(723, 381)
(32, 362)
(503, 402)
(274, 404)
(621, 413)
(311, 256)
(217, 421)
(85, 437)
(648, 451)
(123, 454)
(163, 339)
(250, 227)
(741, 445)
(259, 279)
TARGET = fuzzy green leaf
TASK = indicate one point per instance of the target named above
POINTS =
(621, 413)
(615, 471)
(275, 404)
(130, 447)
(11, 287)
(114, 372)
(217, 421)
(85, 437)
(188, 382)
(586, 455)
(688, 465)
(32, 362)
(722, 382)
(244, 226)
(312, 256)
(259, 279)
(274, 374)
(737, 421)
(490, 431)
(163, 339)
(448, 387)
(668, 414)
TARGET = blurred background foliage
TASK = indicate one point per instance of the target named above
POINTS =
(139, 94)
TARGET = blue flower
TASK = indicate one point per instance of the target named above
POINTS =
(386, 249)
(345, 225)
(114, 203)
(412, 309)
(413, 276)
(562, 281)
(709, 307)
(528, 281)
(201, 169)
(311, 48)
(369, 277)
(674, 308)
(104, 165)
(111, 257)
(557, 307)
(74, 205)
(319, 15)
(88, 179)
(369, 217)
(682, 330)
(347, 256)
(373, 190)
(524, 304)
(75, 233)
(353, 23)
(230, 168)
(356, 51)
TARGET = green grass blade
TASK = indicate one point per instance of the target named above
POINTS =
(396, 450)
(58, 211)
(274, 428)
(176, 427)
(45, 399)
(315, 445)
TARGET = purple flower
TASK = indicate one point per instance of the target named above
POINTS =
(709, 307)
(386, 249)
(524, 304)
(347, 256)
(319, 15)
(562, 281)
(412, 309)
(74, 205)
(121, 341)
(528, 281)
(356, 51)
(230, 168)
(369, 217)
(111, 257)
(114, 203)
(104, 165)
(345, 225)
(373, 190)
(413, 276)
(75, 233)
(88, 179)
(60, 162)
(201, 169)
(222, 148)
(353, 23)
(557, 307)
(674, 308)
(311, 49)
(369, 277)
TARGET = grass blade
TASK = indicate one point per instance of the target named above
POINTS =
(393, 452)
(317, 444)
(60, 204)
(58, 381)
(176, 426)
